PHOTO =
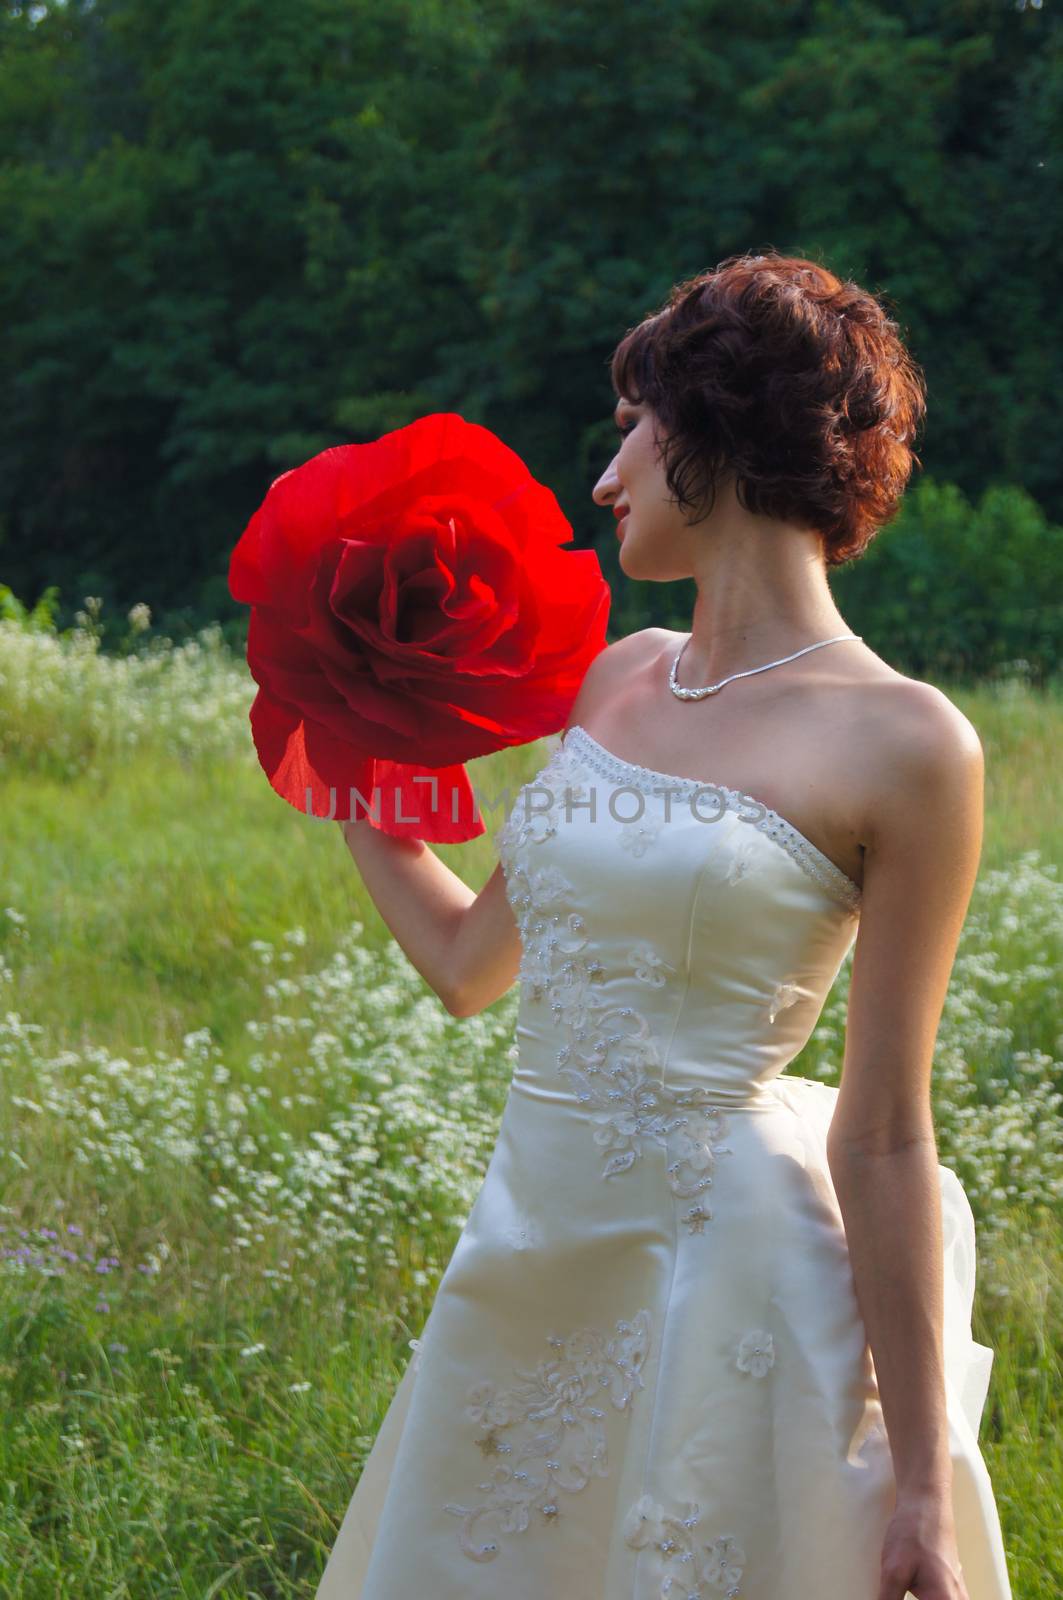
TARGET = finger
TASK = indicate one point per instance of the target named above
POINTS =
(895, 1586)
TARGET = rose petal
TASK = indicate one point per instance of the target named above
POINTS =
(323, 778)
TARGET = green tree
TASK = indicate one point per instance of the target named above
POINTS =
(230, 237)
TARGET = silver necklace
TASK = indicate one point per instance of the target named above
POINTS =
(714, 688)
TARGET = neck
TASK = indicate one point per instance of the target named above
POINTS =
(759, 598)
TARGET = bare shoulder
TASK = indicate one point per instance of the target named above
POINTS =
(929, 720)
(616, 662)
(927, 752)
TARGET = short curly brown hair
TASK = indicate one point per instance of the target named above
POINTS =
(771, 368)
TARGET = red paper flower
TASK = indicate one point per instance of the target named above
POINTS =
(410, 609)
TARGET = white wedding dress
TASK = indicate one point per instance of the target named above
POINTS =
(645, 1372)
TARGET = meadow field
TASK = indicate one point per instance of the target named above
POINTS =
(239, 1135)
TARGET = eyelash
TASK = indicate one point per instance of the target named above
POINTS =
(622, 430)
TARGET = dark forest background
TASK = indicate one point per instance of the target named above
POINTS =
(234, 234)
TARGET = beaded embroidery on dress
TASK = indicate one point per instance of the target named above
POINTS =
(645, 1373)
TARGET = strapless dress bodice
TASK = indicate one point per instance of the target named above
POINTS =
(673, 931)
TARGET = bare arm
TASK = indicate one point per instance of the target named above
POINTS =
(447, 931)
(921, 861)
(466, 946)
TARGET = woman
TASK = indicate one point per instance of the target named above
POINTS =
(622, 1390)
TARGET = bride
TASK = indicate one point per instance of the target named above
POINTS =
(767, 415)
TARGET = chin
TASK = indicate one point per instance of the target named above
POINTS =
(628, 562)
(629, 565)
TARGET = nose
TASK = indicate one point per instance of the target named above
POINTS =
(606, 489)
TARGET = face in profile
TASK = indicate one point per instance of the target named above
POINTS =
(655, 535)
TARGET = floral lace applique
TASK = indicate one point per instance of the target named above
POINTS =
(539, 891)
(639, 833)
(785, 994)
(609, 1054)
(523, 1235)
(756, 1353)
(692, 1568)
(562, 785)
(649, 967)
(618, 1074)
(742, 857)
(550, 1427)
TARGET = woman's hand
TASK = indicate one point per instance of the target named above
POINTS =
(919, 1552)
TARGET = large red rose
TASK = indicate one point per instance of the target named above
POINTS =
(410, 609)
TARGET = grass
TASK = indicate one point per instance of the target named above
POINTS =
(239, 1136)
